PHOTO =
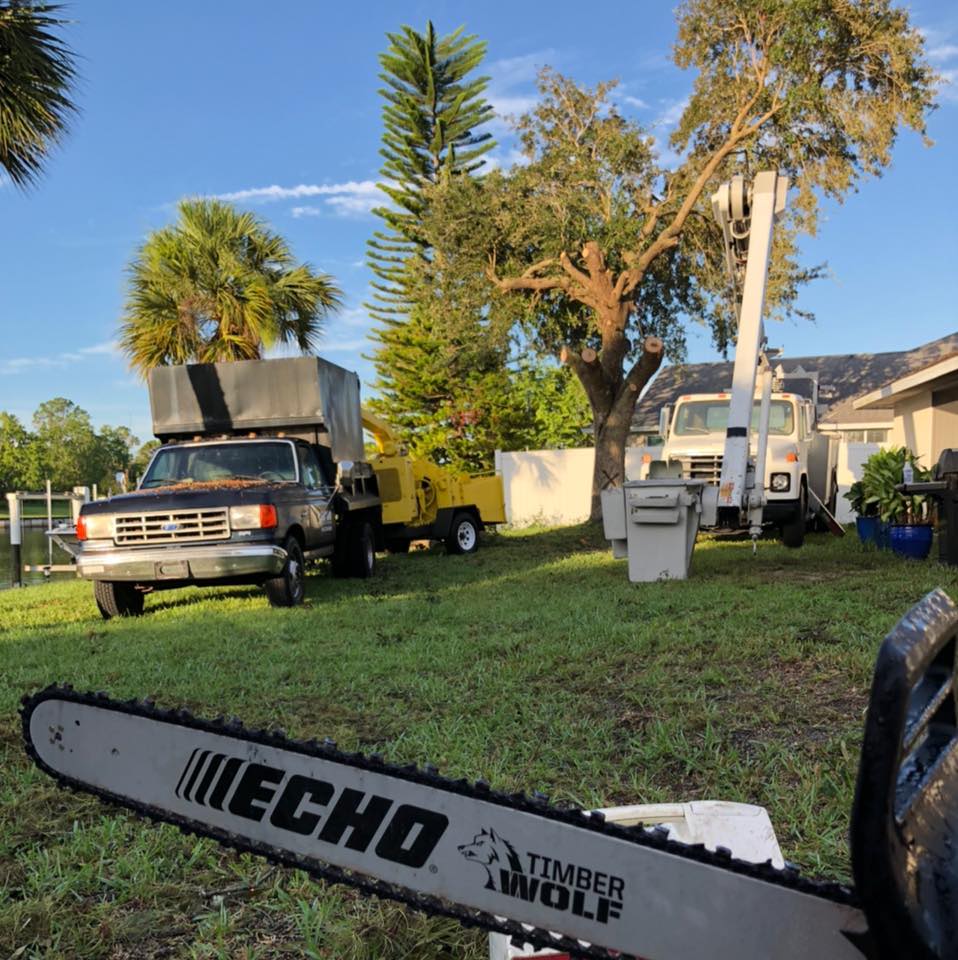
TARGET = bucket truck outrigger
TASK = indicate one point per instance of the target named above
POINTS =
(654, 521)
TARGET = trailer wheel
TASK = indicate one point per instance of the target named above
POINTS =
(289, 588)
(117, 599)
(463, 534)
(398, 546)
(362, 552)
(793, 530)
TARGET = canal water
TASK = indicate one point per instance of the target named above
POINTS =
(33, 550)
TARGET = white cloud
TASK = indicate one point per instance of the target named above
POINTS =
(671, 113)
(308, 211)
(511, 88)
(108, 348)
(353, 188)
(64, 358)
(636, 102)
(942, 53)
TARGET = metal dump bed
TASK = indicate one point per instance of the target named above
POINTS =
(307, 396)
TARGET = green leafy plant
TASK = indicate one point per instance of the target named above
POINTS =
(856, 497)
(880, 476)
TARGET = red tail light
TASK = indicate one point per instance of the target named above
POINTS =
(81, 528)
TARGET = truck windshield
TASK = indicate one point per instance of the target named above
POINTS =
(701, 417)
(212, 462)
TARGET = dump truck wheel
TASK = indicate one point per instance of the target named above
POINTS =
(793, 530)
(463, 535)
(117, 599)
(362, 552)
(398, 546)
(289, 588)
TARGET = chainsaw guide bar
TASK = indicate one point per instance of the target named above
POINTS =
(565, 879)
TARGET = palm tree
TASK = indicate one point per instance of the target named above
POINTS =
(37, 74)
(219, 285)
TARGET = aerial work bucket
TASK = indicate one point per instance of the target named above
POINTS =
(654, 523)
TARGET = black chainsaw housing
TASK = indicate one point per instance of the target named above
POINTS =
(904, 829)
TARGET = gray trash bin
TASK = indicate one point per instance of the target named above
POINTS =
(654, 524)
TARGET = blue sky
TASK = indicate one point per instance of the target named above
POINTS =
(276, 105)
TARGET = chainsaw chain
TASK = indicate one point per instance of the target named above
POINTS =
(653, 837)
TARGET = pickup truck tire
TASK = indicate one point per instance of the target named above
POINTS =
(463, 534)
(793, 530)
(289, 588)
(117, 599)
(362, 552)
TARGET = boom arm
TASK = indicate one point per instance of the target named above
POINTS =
(747, 217)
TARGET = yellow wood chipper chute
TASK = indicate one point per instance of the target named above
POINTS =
(423, 501)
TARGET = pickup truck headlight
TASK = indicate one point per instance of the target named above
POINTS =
(255, 516)
(781, 482)
(97, 526)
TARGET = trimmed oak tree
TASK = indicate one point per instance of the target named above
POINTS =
(598, 251)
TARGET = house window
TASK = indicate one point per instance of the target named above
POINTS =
(865, 436)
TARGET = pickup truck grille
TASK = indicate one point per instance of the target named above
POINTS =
(177, 526)
(707, 468)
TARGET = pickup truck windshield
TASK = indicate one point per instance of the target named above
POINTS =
(702, 417)
(211, 462)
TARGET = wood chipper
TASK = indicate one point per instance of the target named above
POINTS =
(422, 500)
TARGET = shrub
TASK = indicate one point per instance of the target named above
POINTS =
(881, 474)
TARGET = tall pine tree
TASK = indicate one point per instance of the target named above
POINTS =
(430, 379)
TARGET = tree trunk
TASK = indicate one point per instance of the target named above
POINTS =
(612, 395)
(611, 438)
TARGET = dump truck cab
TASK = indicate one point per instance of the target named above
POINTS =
(796, 456)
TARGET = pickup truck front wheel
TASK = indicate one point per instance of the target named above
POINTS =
(289, 588)
(117, 599)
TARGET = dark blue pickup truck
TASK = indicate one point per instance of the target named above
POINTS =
(243, 506)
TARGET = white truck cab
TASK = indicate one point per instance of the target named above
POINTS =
(797, 457)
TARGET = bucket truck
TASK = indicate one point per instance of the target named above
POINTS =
(653, 522)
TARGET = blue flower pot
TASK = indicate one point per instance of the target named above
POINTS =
(867, 528)
(884, 535)
(909, 540)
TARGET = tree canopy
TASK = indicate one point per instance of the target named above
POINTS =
(37, 78)
(219, 285)
(600, 252)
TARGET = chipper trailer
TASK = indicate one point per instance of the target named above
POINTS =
(547, 875)
(654, 522)
(425, 501)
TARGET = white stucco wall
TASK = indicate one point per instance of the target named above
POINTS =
(553, 486)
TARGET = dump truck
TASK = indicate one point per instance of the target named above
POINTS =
(261, 469)
(422, 500)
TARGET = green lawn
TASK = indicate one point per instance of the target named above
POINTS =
(534, 663)
(35, 509)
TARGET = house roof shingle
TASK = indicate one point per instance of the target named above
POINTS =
(841, 378)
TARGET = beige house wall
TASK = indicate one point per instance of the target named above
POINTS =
(913, 426)
(944, 429)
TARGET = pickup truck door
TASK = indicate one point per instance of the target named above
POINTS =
(318, 522)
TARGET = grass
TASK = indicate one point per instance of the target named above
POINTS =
(533, 663)
(36, 509)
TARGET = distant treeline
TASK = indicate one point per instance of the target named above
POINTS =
(64, 448)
